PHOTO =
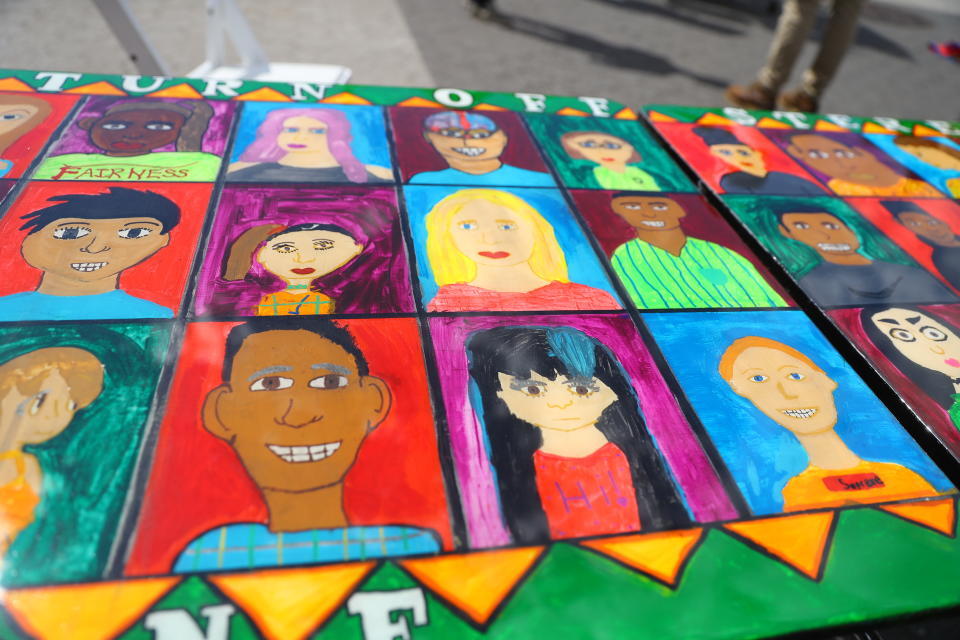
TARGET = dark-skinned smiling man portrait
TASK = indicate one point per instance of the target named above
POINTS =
(296, 403)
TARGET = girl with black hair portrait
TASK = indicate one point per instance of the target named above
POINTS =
(567, 441)
(923, 347)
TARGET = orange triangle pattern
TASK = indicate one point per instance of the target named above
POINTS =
(345, 98)
(625, 114)
(656, 116)
(287, 604)
(714, 119)
(182, 90)
(925, 131)
(84, 612)
(771, 123)
(264, 94)
(873, 127)
(570, 111)
(417, 101)
(800, 541)
(939, 515)
(14, 84)
(659, 555)
(101, 88)
(484, 106)
(826, 125)
(475, 583)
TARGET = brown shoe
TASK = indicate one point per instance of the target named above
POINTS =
(798, 100)
(753, 96)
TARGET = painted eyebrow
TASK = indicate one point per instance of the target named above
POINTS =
(156, 224)
(914, 320)
(329, 366)
(280, 368)
(751, 369)
(788, 366)
(889, 321)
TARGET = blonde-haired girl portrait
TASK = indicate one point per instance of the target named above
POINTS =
(490, 250)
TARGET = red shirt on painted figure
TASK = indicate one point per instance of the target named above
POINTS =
(587, 496)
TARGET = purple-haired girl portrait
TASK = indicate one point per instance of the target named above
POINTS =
(302, 145)
(286, 251)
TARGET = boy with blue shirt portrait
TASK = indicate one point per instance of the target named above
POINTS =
(82, 245)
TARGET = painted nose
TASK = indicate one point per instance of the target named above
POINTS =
(298, 415)
(937, 349)
(299, 257)
(559, 402)
(95, 245)
(785, 390)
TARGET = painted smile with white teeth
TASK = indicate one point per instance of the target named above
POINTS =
(803, 414)
(470, 151)
(87, 266)
(308, 453)
(826, 246)
(652, 223)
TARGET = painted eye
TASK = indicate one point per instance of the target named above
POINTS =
(725, 152)
(758, 378)
(830, 225)
(159, 126)
(113, 126)
(329, 381)
(37, 402)
(271, 383)
(12, 116)
(467, 226)
(612, 145)
(506, 226)
(284, 248)
(452, 132)
(70, 233)
(932, 333)
(582, 389)
(632, 206)
(902, 335)
(132, 233)
(532, 390)
(843, 153)
(659, 207)
(795, 376)
(291, 129)
(801, 225)
(323, 245)
(479, 134)
(317, 131)
(744, 153)
(589, 144)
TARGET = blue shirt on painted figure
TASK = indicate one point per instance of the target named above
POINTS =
(506, 175)
(112, 305)
(248, 545)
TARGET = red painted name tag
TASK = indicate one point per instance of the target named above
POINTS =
(853, 482)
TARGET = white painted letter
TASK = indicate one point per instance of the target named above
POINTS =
(600, 107)
(738, 115)
(453, 97)
(176, 624)
(940, 125)
(226, 87)
(533, 102)
(892, 123)
(796, 118)
(315, 90)
(844, 121)
(131, 84)
(375, 607)
(54, 81)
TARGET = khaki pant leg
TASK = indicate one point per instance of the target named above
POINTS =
(793, 28)
(837, 38)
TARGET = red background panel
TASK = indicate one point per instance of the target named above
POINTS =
(695, 151)
(946, 210)
(160, 278)
(29, 144)
(197, 482)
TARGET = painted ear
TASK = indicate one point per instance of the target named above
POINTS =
(379, 399)
(86, 123)
(210, 413)
(784, 231)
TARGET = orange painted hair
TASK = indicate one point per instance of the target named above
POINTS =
(742, 344)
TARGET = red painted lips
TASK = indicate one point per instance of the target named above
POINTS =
(304, 271)
(494, 254)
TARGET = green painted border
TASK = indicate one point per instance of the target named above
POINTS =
(799, 120)
(307, 92)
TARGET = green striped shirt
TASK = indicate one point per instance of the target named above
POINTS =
(704, 275)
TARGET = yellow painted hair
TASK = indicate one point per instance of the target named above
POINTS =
(450, 266)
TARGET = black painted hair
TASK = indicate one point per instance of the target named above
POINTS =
(313, 226)
(326, 329)
(550, 352)
(712, 136)
(936, 385)
(782, 209)
(116, 202)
